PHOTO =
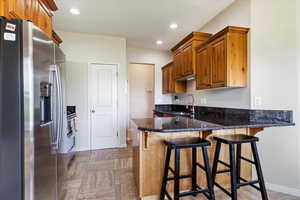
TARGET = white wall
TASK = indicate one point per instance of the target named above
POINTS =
(274, 80)
(237, 14)
(159, 59)
(80, 49)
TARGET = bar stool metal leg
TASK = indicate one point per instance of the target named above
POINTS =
(208, 174)
(177, 174)
(233, 172)
(259, 172)
(165, 176)
(194, 169)
(238, 160)
(216, 159)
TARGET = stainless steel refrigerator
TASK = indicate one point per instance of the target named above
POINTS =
(31, 112)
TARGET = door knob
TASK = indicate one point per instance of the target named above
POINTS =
(93, 111)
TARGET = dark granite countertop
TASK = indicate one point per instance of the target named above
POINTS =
(176, 113)
(211, 118)
(185, 124)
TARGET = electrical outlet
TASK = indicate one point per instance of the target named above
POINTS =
(203, 101)
(257, 101)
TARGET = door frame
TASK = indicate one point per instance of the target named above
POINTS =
(117, 65)
(129, 92)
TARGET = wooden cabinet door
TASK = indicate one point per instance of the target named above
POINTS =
(171, 79)
(2, 8)
(180, 63)
(165, 81)
(177, 65)
(16, 9)
(203, 68)
(33, 11)
(218, 62)
(183, 63)
(44, 20)
(188, 61)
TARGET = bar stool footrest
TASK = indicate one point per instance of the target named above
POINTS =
(183, 194)
(247, 183)
(180, 177)
(252, 185)
(204, 193)
(223, 171)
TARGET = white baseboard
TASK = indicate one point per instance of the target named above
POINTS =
(81, 149)
(283, 189)
(87, 149)
(123, 145)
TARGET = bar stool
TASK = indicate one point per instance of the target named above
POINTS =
(235, 164)
(177, 145)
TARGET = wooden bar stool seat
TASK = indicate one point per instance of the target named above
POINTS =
(234, 168)
(177, 145)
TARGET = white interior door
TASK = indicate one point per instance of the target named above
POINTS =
(103, 106)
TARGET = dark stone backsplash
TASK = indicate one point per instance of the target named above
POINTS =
(231, 115)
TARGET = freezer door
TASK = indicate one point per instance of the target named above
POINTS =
(41, 152)
(11, 109)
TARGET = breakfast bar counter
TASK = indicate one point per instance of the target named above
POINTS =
(150, 150)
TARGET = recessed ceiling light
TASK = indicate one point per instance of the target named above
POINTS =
(159, 42)
(75, 11)
(173, 26)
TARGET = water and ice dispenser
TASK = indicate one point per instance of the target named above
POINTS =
(45, 101)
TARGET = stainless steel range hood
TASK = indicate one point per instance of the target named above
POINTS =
(187, 78)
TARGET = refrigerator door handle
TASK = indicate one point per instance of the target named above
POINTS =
(60, 113)
(56, 131)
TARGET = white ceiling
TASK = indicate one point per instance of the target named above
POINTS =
(142, 22)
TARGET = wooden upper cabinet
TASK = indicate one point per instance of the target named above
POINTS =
(40, 12)
(185, 54)
(169, 83)
(225, 55)
(203, 70)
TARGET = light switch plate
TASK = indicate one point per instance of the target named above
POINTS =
(203, 101)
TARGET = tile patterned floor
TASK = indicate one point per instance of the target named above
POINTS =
(107, 175)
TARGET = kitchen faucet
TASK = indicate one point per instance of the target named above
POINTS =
(192, 110)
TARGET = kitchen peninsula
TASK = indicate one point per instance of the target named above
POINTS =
(149, 148)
